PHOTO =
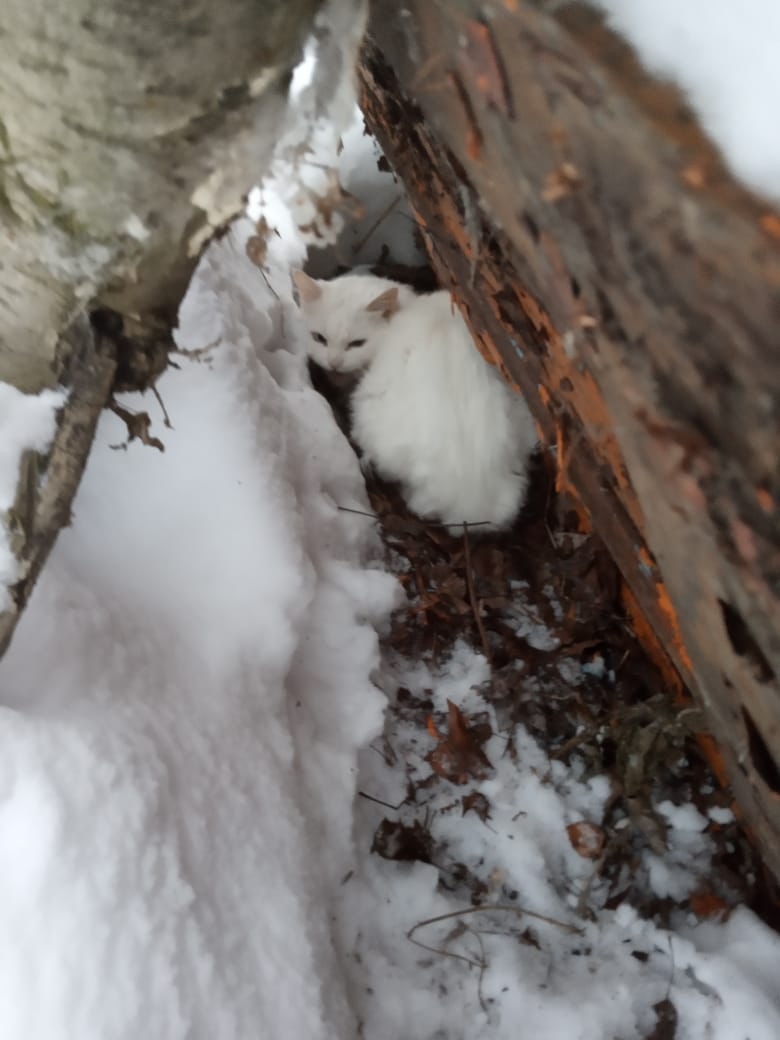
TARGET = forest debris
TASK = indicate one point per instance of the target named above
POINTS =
(706, 904)
(477, 803)
(257, 244)
(666, 1021)
(459, 755)
(587, 839)
(137, 425)
(561, 182)
(403, 842)
(549, 577)
(475, 606)
(335, 200)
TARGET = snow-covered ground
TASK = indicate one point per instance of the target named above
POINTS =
(724, 57)
(193, 700)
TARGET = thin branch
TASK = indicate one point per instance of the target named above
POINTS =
(387, 805)
(357, 512)
(166, 419)
(473, 598)
(375, 224)
(486, 908)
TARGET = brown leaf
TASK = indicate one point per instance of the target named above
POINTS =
(459, 755)
(396, 840)
(705, 903)
(666, 1021)
(586, 838)
(256, 250)
(477, 803)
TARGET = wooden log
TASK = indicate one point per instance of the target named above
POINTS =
(619, 278)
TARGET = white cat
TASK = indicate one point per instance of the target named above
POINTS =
(428, 411)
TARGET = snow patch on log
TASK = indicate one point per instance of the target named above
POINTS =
(724, 56)
(27, 424)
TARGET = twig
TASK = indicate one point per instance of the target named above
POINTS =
(482, 970)
(445, 953)
(382, 216)
(198, 352)
(166, 420)
(423, 523)
(387, 805)
(268, 284)
(137, 425)
(357, 512)
(486, 908)
(473, 598)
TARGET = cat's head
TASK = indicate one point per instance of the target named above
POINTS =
(345, 315)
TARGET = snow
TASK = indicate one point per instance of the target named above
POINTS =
(569, 976)
(27, 423)
(196, 750)
(183, 703)
(724, 56)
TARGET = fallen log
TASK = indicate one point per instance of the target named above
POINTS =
(614, 272)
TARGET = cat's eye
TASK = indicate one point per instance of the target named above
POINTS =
(319, 338)
(355, 343)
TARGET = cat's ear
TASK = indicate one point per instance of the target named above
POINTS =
(308, 289)
(387, 303)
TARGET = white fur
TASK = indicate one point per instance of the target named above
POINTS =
(429, 411)
(340, 314)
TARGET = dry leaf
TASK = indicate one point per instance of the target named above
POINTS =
(459, 755)
(705, 903)
(256, 250)
(587, 839)
(476, 803)
(666, 1021)
(396, 840)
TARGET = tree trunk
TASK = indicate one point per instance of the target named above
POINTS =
(130, 132)
(617, 275)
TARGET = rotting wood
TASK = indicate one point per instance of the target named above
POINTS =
(636, 309)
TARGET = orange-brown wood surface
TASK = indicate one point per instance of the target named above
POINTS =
(614, 272)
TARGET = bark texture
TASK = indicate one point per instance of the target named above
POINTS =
(129, 133)
(619, 277)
